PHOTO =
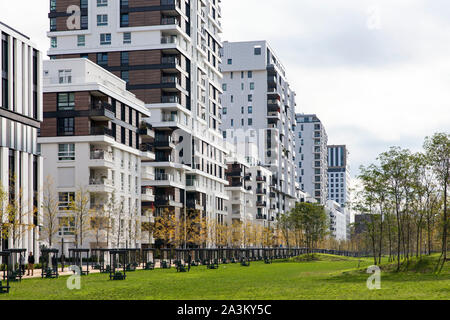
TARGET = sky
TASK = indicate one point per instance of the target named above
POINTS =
(377, 73)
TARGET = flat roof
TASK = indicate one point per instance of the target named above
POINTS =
(5, 25)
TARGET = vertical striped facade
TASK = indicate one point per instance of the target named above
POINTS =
(20, 117)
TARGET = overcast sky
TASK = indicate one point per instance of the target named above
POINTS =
(377, 73)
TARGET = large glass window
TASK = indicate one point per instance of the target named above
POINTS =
(66, 126)
(66, 152)
(65, 199)
(66, 101)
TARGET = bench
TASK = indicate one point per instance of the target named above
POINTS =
(149, 266)
(117, 276)
(105, 270)
(4, 289)
(49, 273)
(245, 263)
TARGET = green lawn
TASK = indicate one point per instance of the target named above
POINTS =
(329, 278)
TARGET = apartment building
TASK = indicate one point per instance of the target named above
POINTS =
(259, 106)
(20, 120)
(168, 53)
(339, 179)
(240, 193)
(338, 224)
(96, 142)
(312, 162)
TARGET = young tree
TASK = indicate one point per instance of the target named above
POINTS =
(81, 212)
(438, 150)
(50, 211)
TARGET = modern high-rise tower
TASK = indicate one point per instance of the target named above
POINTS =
(311, 149)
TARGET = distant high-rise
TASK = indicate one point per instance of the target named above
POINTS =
(259, 105)
(339, 179)
(311, 149)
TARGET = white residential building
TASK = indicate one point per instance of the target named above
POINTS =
(20, 120)
(259, 106)
(338, 223)
(95, 138)
(312, 162)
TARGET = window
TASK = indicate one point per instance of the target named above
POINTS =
(102, 20)
(125, 75)
(257, 51)
(84, 22)
(242, 110)
(232, 122)
(52, 24)
(242, 86)
(66, 126)
(52, 5)
(102, 3)
(250, 98)
(105, 38)
(65, 199)
(54, 42)
(124, 58)
(124, 20)
(250, 110)
(124, 3)
(232, 98)
(84, 4)
(224, 110)
(252, 86)
(81, 40)
(230, 61)
(65, 76)
(127, 38)
(67, 226)
(66, 101)
(102, 59)
(224, 87)
(250, 74)
(66, 152)
(250, 121)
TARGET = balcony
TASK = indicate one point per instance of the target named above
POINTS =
(147, 194)
(100, 185)
(164, 142)
(147, 174)
(261, 191)
(146, 131)
(261, 203)
(101, 131)
(170, 21)
(169, 40)
(234, 173)
(194, 204)
(101, 111)
(101, 159)
(170, 99)
(166, 200)
(261, 179)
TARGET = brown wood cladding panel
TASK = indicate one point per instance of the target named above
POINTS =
(62, 5)
(50, 102)
(145, 57)
(113, 59)
(146, 18)
(143, 3)
(148, 95)
(82, 126)
(145, 77)
(82, 101)
(48, 127)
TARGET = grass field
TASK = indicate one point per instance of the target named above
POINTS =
(329, 277)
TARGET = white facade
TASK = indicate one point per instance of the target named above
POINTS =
(312, 162)
(95, 163)
(339, 179)
(259, 107)
(20, 117)
(338, 223)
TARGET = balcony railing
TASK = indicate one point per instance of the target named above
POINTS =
(101, 155)
(170, 99)
(170, 21)
(146, 147)
(170, 60)
(101, 131)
